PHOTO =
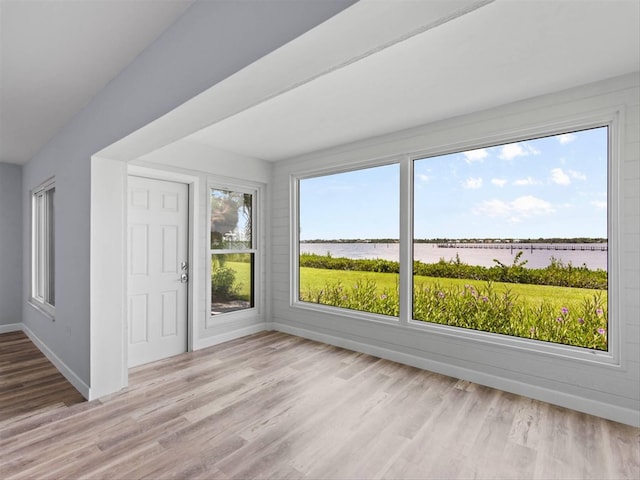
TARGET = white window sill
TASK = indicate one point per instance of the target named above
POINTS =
(45, 309)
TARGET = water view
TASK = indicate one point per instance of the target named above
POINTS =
(593, 255)
(550, 192)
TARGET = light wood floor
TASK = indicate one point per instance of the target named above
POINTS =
(277, 406)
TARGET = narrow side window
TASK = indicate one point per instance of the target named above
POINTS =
(232, 250)
(43, 245)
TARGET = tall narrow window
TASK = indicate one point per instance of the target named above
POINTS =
(512, 239)
(349, 239)
(232, 246)
(43, 238)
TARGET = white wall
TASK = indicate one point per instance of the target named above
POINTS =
(211, 41)
(11, 246)
(606, 390)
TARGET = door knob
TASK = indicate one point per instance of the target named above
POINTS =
(184, 278)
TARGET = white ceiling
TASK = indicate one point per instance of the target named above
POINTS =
(55, 55)
(377, 67)
(502, 52)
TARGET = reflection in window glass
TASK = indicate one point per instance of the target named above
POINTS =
(512, 239)
(231, 219)
(349, 239)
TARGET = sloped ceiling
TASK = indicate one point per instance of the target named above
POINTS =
(496, 53)
(378, 66)
(55, 55)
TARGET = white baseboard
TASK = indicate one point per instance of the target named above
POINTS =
(62, 367)
(12, 327)
(611, 412)
(232, 335)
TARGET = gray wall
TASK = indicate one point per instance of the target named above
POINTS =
(10, 244)
(211, 41)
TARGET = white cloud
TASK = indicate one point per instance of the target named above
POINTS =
(528, 206)
(523, 182)
(493, 208)
(566, 138)
(513, 150)
(423, 178)
(499, 182)
(516, 210)
(577, 175)
(600, 205)
(472, 183)
(559, 177)
(476, 155)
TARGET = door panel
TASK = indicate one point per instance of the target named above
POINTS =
(158, 247)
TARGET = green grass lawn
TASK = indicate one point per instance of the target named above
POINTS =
(312, 279)
(242, 283)
(567, 315)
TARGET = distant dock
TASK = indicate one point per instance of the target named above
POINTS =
(531, 247)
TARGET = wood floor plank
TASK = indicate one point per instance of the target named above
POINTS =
(273, 405)
(28, 381)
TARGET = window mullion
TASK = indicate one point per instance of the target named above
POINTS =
(406, 236)
(231, 251)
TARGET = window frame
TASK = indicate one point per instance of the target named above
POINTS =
(256, 249)
(43, 247)
(294, 286)
(606, 118)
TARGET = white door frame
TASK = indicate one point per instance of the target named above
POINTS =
(192, 182)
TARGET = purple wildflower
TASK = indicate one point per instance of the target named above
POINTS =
(559, 319)
(602, 331)
(441, 294)
(485, 299)
(599, 312)
(564, 310)
(383, 296)
(581, 321)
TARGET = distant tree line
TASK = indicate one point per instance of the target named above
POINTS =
(462, 240)
(352, 240)
(556, 273)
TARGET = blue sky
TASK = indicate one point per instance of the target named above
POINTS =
(549, 187)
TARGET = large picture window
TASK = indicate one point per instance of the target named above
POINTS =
(349, 230)
(43, 245)
(512, 239)
(509, 239)
(232, 251)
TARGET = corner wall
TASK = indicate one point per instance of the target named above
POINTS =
(210, 42)
(11, 247)
(605, 390)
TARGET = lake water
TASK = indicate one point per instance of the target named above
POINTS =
(472, 254)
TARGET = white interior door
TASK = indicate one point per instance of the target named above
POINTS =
(158, 213)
